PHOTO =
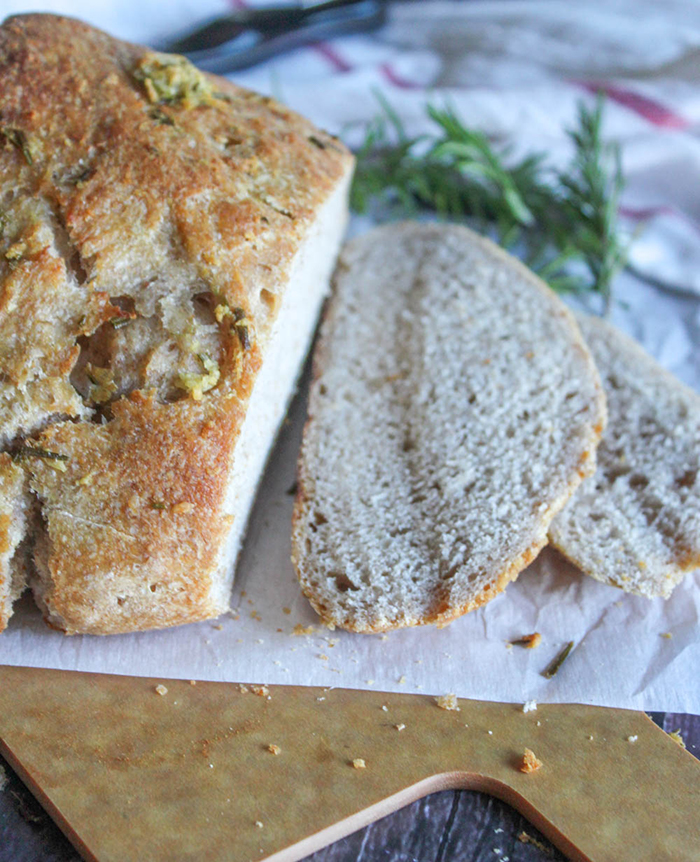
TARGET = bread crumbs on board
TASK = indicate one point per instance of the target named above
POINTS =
(274, 749)
(530, 762)
(358, 763)
(530, 706)
(260, 690)
(447, 701)
(300, 630)
(161, 690)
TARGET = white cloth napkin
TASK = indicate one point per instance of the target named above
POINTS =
(516, 70)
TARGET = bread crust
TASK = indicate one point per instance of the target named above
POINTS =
(125, 206)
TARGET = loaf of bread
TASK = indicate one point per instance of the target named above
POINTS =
(635, 524)
(454, 410)
(166, 239)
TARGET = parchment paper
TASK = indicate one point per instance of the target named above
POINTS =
(630, 651)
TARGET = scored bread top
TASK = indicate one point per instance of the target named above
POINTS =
(454, 410)
(635, 524)
(149, 216)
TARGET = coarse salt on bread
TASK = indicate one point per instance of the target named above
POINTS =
(167, 239)
(454, 410)
(635, 524)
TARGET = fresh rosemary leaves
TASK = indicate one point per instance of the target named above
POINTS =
(563, 223)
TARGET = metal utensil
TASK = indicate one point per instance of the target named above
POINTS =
(248, 36)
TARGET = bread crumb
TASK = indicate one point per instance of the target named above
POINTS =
(286, 611)
(319, 699)
(529, 641)
(193, 682)
(359, 763)
(530, 763)
(530, 706)
(260, 690)
(323, 656)
(385, 708)
(384, 637)
(400, 727)
(299, 629)
(447, 701)
(402, 680)
(666, 635)
(590, 737)
(274, 749)
(676, 737)
(490, 732)
(369, 682)
(161, 690)
(524, 838)
(183, 508)
(259, 824)
(243, 688)
(632, 738)
(218, 627)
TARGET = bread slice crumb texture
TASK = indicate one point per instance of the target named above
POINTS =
(454, 410)
(635, 524)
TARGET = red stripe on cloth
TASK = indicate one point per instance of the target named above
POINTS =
(644, 213)
(647, 213)
(397, 80)
(340, 64)
(651, 110)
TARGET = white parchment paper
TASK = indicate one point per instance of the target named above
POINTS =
(507, 68)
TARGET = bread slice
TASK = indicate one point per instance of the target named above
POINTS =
(635, 524)
(167, 240)
(454, 410)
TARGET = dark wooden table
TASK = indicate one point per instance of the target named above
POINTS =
(452, 825)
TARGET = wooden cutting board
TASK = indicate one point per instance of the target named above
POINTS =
(135, 769)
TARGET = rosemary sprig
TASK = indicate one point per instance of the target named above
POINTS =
(564, 223)
(558, 661)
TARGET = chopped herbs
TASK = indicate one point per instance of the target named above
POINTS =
(55, 460)
(102, 382)
(156, 504)
(172, 80)
(161, 117)
(19, 140)
(555, 218)
(242, 328)
(553, 668)
(317, 142)
(198, 384)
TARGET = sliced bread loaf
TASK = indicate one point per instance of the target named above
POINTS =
(635, 524)
(454, 410)
(166, 241)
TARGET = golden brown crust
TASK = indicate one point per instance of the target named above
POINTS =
(12, 483)
(118, 206)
